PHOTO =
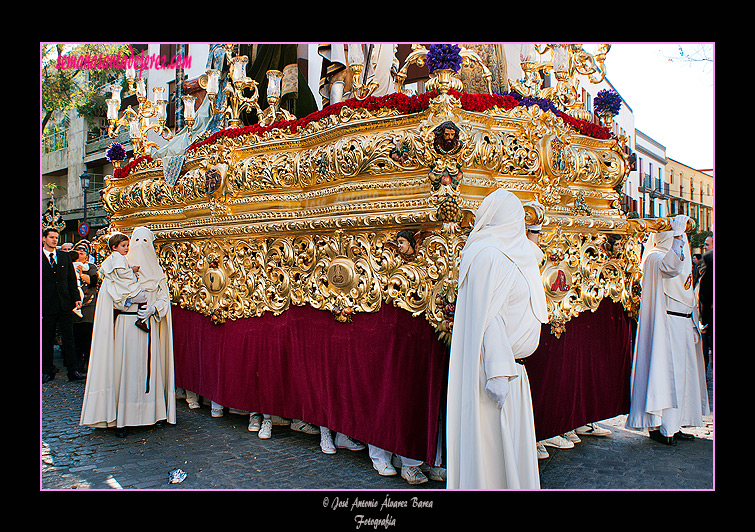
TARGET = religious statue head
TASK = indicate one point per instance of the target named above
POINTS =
(446, 137)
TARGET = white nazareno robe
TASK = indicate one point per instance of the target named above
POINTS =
(130, 380)
(499, 311)
(668, 386)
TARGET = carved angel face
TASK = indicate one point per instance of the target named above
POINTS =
(404, 246)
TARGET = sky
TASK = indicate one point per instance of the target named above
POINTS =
(672, 101)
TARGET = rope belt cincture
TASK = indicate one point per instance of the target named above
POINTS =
(117, 313)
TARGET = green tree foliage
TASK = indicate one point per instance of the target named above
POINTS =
(75, 88)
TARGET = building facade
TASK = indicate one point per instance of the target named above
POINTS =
(653, 188)
(691, 193)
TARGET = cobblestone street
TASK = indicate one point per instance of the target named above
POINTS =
(220, 453)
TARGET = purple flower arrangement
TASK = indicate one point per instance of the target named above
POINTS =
(115, 152)
(544, 103)
(607, 101)
(443, 56)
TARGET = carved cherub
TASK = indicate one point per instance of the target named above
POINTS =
(408, 242)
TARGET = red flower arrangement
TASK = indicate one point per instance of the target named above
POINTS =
(400, 102)
(586, 128)
(482, 102)
(126, 170)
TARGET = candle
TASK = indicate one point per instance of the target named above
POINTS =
(213, 81)
(527, 53)
(113, 106)
(274, 83)
(115, 91)
(133, 128)
(189, 111)
(560, 58)
(162, 113)
(239, 68)
(159, 93)
(141, 88)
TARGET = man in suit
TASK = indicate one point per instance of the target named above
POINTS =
(60, 295)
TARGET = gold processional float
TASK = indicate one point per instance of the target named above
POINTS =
(307, 212)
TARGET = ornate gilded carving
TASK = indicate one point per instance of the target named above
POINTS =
(580, 269)
(344, 273)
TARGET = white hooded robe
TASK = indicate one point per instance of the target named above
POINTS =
(499, 311)
(130, 380)
(668, 386)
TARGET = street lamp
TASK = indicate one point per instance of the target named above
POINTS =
(85, 180)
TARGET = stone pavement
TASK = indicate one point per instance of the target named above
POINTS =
(220, 454)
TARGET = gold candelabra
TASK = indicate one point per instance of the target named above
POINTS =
(236, 102)
(359, 90)
(566, 61)
(139, 121)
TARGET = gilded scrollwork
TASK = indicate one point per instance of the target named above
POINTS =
(579, 271)
(344, 273)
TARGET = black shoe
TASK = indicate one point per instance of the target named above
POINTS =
(682, 436)
(47, 377)
(76, 376)
(656, 435)
(120, 432)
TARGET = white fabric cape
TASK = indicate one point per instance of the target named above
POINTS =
(116, 388)
(668, 374)
(499, 311)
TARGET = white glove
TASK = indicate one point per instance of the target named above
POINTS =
(145, 312)
(139, 298)
(497, 388)
(679, 224)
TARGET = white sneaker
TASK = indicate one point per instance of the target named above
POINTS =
(384, 469)
(344, 442)
(302, 426)
(266, 429)
(217, 412)
(413, 475)
(542, 452)
(280, 421)
(572, 436)
(559, 442)
(192, 399)
(592, 429)
(326, 442)
(255, 420)
(437, 473)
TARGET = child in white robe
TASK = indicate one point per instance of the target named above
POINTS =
(131, 376)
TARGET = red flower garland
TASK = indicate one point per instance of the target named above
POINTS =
(126, 170)
(586, 128)
(400, 102)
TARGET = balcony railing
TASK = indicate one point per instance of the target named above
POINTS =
(55, 141)
(98, 140)
(654, 186)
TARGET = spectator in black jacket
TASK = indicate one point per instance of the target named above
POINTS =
(705, 296)
(60, 295)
